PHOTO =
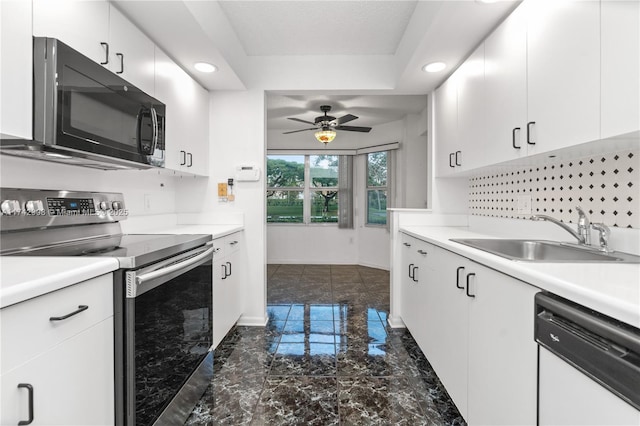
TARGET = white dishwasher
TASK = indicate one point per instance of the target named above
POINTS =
(589, 366)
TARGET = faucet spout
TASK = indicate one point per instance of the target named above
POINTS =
(577, 236)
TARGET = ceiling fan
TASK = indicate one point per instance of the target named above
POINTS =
(326, 125)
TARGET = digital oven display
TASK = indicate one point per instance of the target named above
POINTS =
(70, 206)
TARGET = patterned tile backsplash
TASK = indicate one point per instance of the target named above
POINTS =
(606, 186)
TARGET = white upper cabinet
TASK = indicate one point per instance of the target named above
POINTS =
(187, 117)
(446, 131)
(101, 32)
(471, 112)
(563, 64)
(16, 70)
(506, 89)
(620, 67)
(83, 25)
(131, 53)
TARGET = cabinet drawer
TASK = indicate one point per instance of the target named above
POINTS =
(27, 329)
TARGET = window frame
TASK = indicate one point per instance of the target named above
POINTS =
(369, 188)
(307, 190)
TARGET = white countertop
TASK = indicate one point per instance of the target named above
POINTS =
(216, 231)
(611, 289)
(26, 277)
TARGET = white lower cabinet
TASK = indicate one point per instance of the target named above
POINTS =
(227, 284)
(69, 378)
(476, 329)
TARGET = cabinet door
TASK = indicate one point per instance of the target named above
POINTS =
(563, 64)
(83, 25)
(502, 350)
(620, 67)
(131, 53)
(68, 388)
(407, 295)
(187, 117)
(446, 131)
(448, 332)
(506, 89)
(16, 70)
(225, 298)
(471, 112)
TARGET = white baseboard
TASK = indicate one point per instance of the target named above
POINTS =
(395, 322)
(253, 321)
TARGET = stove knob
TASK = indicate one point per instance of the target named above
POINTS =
(103, 205)
(34, 207)
(10, 207)
(116, 205)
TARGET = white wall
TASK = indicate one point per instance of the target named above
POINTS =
(134, 184)
(364, 245)
(237, 136)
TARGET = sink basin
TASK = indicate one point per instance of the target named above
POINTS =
(544, 251)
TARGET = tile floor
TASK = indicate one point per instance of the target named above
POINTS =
(326, 357)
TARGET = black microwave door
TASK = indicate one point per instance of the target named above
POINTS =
(101, 118)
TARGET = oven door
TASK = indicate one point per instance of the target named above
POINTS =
(167, 329)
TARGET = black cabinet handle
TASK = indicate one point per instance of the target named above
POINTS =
(183, 158)
(461, 268)
(451, 160)
(469, 276)
(190, 161)
(64, 317)
(529, 141)
(224, 272)
(422, 252)
(230, 272)
(513, 137)
(106, 56)
(458, 152)
(30, 390)
(410, 266)
(407, 244)
(121, 56)
(414, 274)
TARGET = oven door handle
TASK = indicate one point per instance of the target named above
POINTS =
(135, 281)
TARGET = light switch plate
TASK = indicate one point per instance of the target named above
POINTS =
(524, 204)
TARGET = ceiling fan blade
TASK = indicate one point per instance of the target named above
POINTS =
(345, 119)
(302, 121)
(353, 128)
(301, 130)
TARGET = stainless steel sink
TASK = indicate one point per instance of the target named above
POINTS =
(545, 251)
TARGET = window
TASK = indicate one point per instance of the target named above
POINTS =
(377, 188)
(302, 188)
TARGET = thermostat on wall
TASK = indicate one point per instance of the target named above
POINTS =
(247, 173)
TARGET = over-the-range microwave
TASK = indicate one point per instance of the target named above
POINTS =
(86, 115)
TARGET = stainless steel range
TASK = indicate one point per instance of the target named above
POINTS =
(162, 294)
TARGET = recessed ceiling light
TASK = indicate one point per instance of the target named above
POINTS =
(205, 67)
(434, 67)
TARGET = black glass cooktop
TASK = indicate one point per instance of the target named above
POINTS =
(131, 250)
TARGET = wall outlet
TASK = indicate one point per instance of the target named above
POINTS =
(222, 189)
(524, 204)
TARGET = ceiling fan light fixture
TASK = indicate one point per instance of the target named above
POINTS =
(325, 135)
(434, 67)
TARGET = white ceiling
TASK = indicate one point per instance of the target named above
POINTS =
(319, 27)
(371, 110)
(362, 57)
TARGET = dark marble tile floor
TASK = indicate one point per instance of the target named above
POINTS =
(326, 357)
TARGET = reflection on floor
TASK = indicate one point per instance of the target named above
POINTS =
(326, 356)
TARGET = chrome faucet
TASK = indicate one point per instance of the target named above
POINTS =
(604, 235)
(583, 236)
(584, 226)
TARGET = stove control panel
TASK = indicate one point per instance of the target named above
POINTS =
(34, 208)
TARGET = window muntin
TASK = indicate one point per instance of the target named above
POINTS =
(377, 187)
